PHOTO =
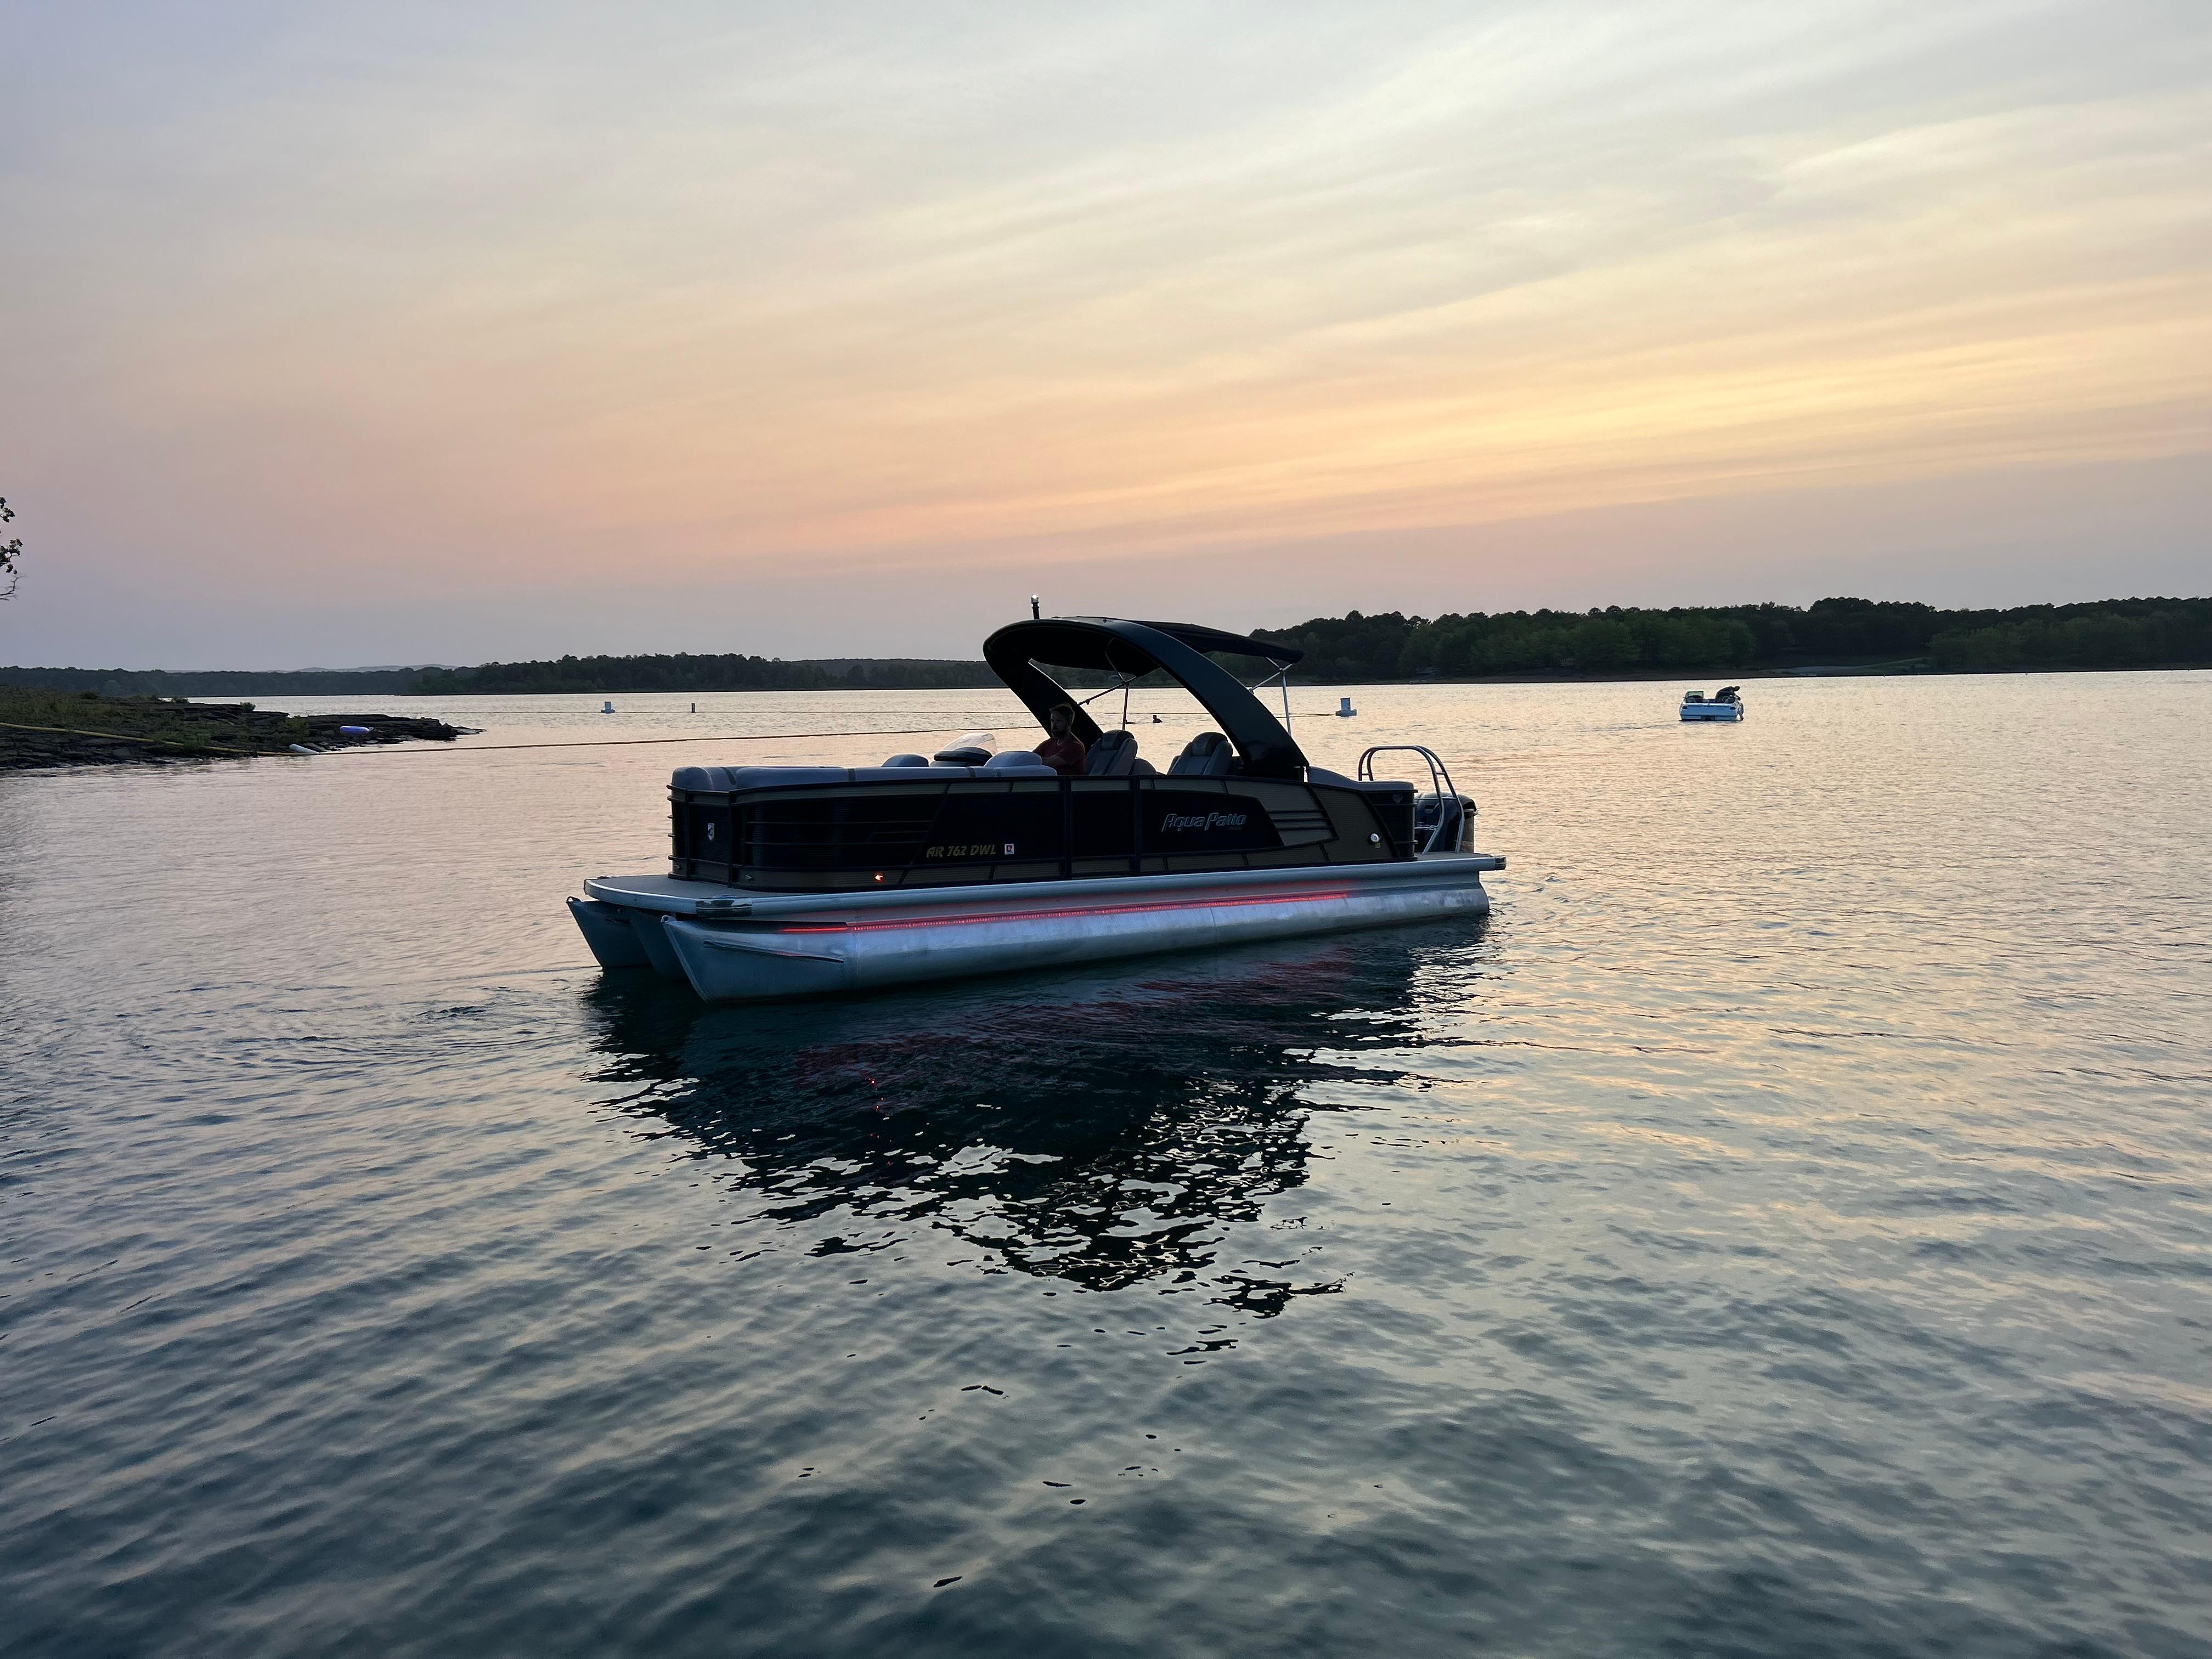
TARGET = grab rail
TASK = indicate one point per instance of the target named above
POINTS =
(1440, 785)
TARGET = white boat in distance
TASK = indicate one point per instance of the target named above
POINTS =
(1723, 705)
(801, 880)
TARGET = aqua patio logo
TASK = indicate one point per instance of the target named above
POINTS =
(1203, 821)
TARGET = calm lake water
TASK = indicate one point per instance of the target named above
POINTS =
(1783, 1227)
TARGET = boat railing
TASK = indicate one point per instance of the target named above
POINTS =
(1445, 836)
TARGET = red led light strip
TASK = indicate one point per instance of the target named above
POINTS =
(1050, 916)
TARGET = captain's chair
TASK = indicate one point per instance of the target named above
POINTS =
(1208, 755)
(1114, 755)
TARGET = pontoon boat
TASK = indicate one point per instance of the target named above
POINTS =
(800, 880)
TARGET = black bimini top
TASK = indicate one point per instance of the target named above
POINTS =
(1176, 649)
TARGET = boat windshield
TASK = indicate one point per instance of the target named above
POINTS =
(986, 741)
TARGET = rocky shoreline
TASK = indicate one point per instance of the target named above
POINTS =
(40, 728)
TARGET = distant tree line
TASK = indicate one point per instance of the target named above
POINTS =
(216, 682)
(2082, 636)
(686, 673)
(2103, 634)
(1712, 639)
(568, 674)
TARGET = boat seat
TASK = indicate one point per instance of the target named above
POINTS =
(1026, 766)
(723, 780)
(756, 777)
(1114, 755)
(1208, 755)
(908, 760)
(1015, 760)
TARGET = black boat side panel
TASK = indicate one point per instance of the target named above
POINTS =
(916, 832)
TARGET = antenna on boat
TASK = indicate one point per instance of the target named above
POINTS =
(1033, 608)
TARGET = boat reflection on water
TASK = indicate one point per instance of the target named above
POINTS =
(1101, 1130)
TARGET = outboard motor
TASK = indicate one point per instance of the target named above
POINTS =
(1443, 824)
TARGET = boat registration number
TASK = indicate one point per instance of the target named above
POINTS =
(981, 849)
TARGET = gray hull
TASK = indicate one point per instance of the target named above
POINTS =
(734, 947)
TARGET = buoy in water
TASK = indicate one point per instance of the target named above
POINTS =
(1344, 711)
(606, 709)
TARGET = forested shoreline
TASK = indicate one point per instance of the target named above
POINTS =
(1865, 635)
(1752, 638)
(216, 682)
(573, 675)
(686, 673)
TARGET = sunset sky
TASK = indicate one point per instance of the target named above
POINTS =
(387, 334)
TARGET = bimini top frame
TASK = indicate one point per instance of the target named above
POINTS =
(1134, 648)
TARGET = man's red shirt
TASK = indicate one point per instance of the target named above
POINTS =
(1063, 754)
